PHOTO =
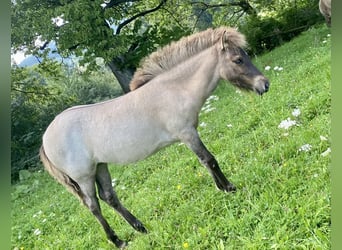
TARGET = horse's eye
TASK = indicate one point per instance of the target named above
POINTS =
(238, 61)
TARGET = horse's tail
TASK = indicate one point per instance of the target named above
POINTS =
(60, 176)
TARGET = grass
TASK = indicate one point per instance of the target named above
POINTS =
(283, 196)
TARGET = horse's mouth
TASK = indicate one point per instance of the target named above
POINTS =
(260, 92)
(262, 87)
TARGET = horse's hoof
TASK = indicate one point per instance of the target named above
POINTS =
(119, 243)
(229, 188)
(139, 227)
(123, 245)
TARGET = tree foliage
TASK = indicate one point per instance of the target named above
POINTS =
(30, 96)
(279, 22)
(122, 32)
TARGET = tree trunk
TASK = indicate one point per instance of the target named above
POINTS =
(123, 75)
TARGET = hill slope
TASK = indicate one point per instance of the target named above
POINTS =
(275, 149)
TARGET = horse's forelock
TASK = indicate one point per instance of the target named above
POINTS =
(235, 38)
(174, 53)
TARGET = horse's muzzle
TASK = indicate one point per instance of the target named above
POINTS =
(262, 85)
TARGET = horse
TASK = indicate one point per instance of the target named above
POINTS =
(167, 93)
(325, 9)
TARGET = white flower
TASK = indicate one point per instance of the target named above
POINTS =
(114, 182)
(296, 112)
(328, 35)
(323, 138)
(209, 109)
(286, 124)
(229, 125)
(37, 232)
(205, 107)
(213, 97)
(280, 68)
(305, 148)
(326, 152)
(203, 124)
(267, 67)
(275, 68)
(38, 213)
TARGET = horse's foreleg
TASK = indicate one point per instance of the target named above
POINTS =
(107, 194)
(88, 196)
(193, 141)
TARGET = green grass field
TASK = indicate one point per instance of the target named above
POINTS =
(274, 148)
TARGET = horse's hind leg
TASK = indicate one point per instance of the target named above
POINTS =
(106, 193)
(192, 140)
(87, 193)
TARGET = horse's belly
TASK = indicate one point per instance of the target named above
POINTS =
(132, 147)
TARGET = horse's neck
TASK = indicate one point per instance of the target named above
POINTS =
(194, 79)
(201, 74)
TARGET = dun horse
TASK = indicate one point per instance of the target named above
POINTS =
(168, 91)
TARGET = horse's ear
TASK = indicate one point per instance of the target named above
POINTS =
(224, 41)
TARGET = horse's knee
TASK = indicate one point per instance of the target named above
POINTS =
(210, 162)
(109, 198)
(101, 194)
(104, 195)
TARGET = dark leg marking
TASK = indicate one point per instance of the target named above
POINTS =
(91, 201)
(193, 141)
(107, 194)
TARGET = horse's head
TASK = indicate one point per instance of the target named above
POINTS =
(236, 66)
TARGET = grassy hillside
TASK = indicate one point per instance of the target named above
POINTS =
(275, 149)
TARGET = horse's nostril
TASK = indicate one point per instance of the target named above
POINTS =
(267, 85)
